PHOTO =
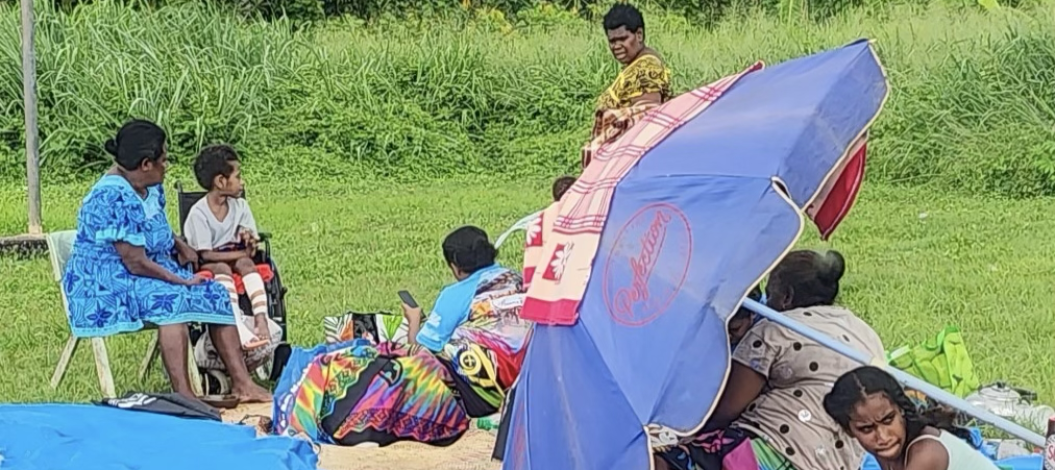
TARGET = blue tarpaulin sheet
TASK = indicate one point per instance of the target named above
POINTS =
(88, 437)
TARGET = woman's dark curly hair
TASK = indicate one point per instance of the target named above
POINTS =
(136, 141)
(855, 386)
(468, 249)
(806, 278)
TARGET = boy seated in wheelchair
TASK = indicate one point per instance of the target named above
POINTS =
(220, 226)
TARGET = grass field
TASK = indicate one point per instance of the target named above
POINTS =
(482, 93)
(917, 260)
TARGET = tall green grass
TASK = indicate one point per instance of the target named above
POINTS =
(972, 106)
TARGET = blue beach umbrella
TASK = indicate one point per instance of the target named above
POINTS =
(700, 218)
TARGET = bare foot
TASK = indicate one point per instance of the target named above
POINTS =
(261, 328)
(249, 339)
(188, 394)
(251, 393)
(194, 398)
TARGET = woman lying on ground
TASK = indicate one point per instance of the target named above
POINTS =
(642, 85)
(770, 414)
(457, 365)
(873, 408)
(122, 276)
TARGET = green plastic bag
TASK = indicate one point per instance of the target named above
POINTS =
(941, 361)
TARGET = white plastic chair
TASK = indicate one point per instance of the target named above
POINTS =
(60, 245)
(521, 224)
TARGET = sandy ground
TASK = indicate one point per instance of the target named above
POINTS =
(471, 452)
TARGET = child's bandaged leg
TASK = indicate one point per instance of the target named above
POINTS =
(228, 283)
(207, 357)
(254, 288)
(246, 336)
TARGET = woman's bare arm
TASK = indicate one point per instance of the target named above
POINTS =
(744, 386)
(180, 244)
(138, 263)
(413, 326)
(186, 254)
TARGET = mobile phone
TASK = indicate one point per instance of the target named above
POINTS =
(407, 299)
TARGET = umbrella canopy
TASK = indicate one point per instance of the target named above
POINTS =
(692, 226)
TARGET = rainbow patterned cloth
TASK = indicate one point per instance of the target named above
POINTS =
(356, 392)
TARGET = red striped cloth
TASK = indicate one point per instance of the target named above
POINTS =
(610, 124)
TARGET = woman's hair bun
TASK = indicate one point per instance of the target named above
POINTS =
(830, 266)
(485, 249)
(111, 147)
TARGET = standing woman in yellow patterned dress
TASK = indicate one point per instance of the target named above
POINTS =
(642, 85)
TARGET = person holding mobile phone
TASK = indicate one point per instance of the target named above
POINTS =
(477, 313)
(457, 363)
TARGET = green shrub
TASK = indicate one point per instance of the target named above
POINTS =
(971, 104)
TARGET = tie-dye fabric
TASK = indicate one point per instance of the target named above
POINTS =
(365, 393)
(355, 391)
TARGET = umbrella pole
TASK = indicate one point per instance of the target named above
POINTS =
(903, 377)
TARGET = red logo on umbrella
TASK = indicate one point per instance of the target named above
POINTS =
(653, 249)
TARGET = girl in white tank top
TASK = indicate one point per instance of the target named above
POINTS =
(959, 455)
(872, 407)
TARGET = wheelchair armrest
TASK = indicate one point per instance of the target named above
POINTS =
(264, 236)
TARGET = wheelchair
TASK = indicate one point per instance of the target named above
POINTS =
(276, 292)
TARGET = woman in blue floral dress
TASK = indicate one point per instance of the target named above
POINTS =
(121, 274)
